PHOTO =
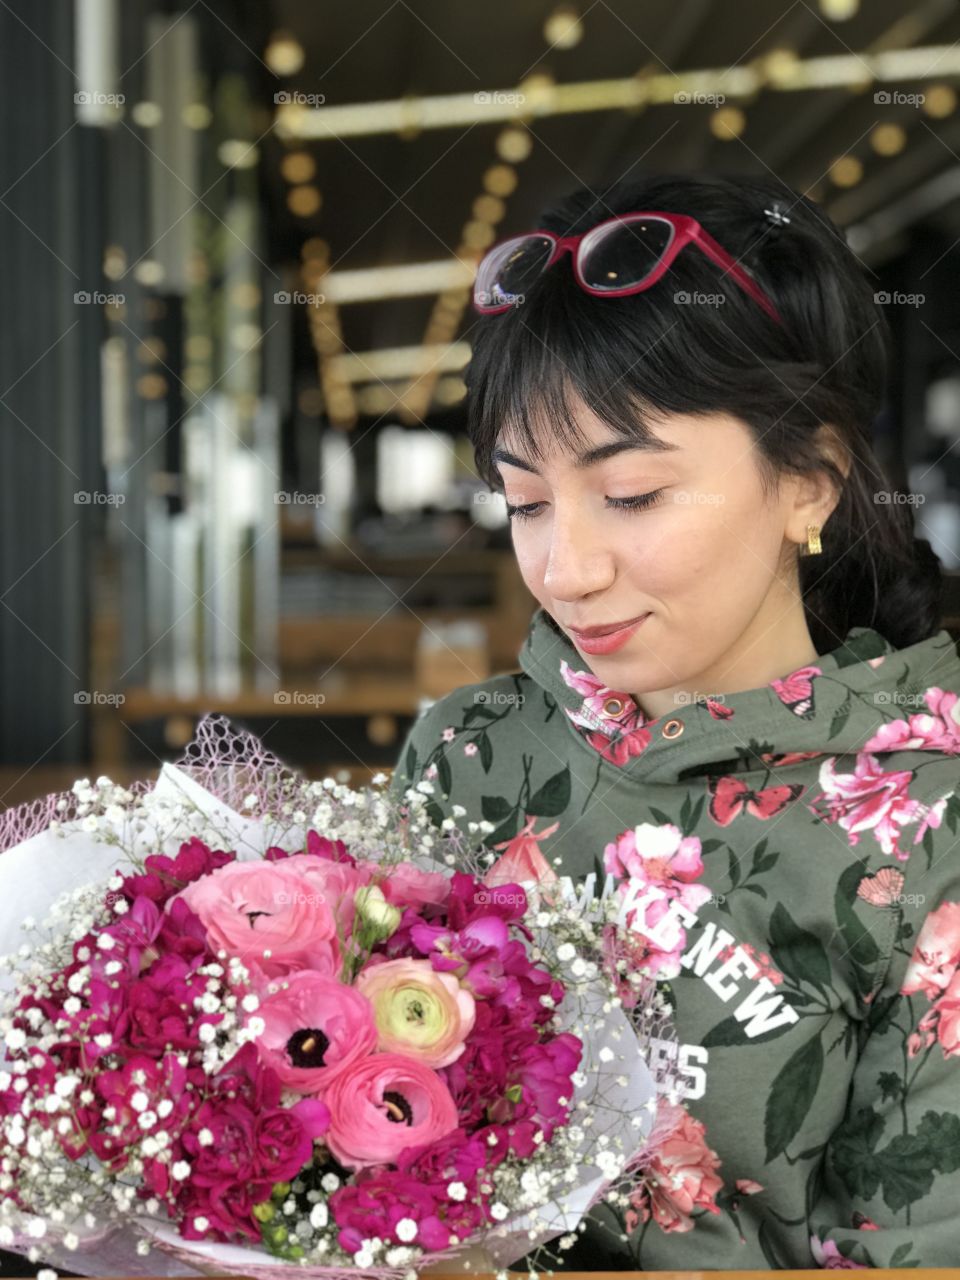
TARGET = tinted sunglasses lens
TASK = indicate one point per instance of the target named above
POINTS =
(509, 269)
(624, 253)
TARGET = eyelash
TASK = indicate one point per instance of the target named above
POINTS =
(637, 503)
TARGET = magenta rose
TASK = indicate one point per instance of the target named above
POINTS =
(251, 908)
(382, 1105)
(315, 1026)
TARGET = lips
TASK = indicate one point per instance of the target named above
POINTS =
(589, 633)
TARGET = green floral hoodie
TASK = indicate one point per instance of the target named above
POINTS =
(816, 987)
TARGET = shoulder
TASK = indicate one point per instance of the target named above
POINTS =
(470, 722)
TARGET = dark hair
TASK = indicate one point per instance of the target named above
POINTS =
(632, 360)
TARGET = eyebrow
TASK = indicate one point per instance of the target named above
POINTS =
(592, 456)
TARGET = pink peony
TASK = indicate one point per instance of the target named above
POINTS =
(314, 1027)
(682, 1176)
(249, 909)
(419, 1012)
(385, 1103)
(936, 953)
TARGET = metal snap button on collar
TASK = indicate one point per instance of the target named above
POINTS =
(672, 729)
(613, 707)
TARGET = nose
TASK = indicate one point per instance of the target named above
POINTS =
(578, 564)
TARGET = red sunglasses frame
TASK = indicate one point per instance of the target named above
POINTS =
(684, 231)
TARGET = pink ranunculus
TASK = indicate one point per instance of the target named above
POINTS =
(250, 908)
(336, 881)
(522, 862)
(408, 886)
(419, 1012)
(684, 1170)
(828, 1256)
(314, 1027)
(869, 800)
(383, 1104)
(936, 953)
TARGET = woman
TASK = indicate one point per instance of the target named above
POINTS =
(678, 413)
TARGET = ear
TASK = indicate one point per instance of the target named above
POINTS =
(816, 495)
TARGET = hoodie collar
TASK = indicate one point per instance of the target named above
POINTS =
(864, 695)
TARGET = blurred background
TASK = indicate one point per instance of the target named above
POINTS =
(237, 239)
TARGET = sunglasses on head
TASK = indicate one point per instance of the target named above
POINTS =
(617, 257)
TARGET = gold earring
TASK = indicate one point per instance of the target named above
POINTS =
(813, 547)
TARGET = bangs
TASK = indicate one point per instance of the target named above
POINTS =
(536, 368)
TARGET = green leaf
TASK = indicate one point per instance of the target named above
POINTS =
(553, 797)
(853, 1152)
(495, 808)
(410, 763)
(899, 1256)
(479, 709)
(765, 863)
(731, 1032)
(696, 815)
(941, 1130)
(734, 869)
(840, 718)
(663, 818)
(791, 1096)
(796, 951)
(708, 846)
(765, 1241)
(907, 1169)
(443, 775)
(486, 752)
(506, 831)
(863, 947)
(755, 888)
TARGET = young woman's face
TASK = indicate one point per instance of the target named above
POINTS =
(701, 554)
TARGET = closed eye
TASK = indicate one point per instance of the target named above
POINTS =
(638, 502)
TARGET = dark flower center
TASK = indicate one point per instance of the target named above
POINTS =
(306, 1047)
(399, 1110)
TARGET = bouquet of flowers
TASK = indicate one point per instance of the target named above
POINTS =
(254, 1022)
